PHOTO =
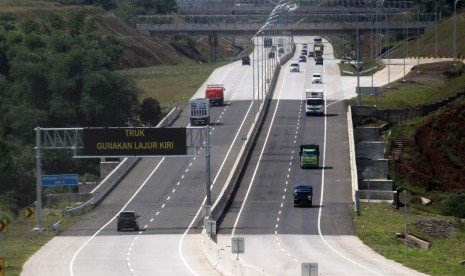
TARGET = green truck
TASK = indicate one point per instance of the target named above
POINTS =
(309, 156)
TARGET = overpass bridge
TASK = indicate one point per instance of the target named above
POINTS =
(339, 23)
(310, 24)
(237, 7)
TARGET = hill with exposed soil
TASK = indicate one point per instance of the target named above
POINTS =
(433, 154)
(434, 158)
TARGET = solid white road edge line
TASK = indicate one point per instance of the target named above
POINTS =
(322, 194)
(71, 264)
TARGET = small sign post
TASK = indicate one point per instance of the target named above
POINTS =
(309, 269)
(29, 212)
(238, 246)
(2, 266)
(404, 198)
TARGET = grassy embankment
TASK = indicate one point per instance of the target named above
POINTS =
(378, 223)
(171, 85)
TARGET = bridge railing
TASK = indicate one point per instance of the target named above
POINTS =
(304, 5)
(288, 19)
(299, 23)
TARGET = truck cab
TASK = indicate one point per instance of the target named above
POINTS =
(309, 156)
(303, 195)
(215, 94)
(314, 102)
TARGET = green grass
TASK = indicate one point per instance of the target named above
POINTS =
(404, 95)
(171, 85)
(376, 227)
(19, 242)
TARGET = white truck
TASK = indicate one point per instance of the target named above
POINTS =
(318, 48)
(199, 112)
(314, 102)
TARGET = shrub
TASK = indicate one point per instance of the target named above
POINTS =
(454, 204)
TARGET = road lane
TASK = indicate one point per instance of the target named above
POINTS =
(166, 192)
(279, 237)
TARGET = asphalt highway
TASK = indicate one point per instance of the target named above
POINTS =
(169, 192)
(280, 238)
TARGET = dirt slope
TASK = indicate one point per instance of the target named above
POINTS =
(435, 155)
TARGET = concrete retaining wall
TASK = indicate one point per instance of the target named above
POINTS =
(370, 163)
(375, 195)
(369, 150)
(366, 134)
(376, 184)
(378, 168)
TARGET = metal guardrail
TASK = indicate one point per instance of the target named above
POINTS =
(74, 210)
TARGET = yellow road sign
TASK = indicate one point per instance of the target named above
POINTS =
(2, 265)
(3, 224)
(29, 212)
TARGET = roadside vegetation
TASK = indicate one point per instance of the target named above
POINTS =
(430, 164)
(19, 242)
(378, 224)
(54, 59)
(426, 84)
(172, 85)
(62, 66)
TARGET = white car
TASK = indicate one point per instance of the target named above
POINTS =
(316, 78)
(294, 67)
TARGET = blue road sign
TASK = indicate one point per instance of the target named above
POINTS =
(60, 180)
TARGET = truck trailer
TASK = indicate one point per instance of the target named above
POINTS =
(314, 102)
(199, 112)
(318, 48)
(309, 156)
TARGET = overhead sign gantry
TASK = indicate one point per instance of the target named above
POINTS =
(118, 142)
(134, 142)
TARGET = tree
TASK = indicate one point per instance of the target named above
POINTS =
(150, 112)
(56, 75)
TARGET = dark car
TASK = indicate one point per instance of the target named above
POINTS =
(319, 61)
(302, 59)
(311, 54)
(303, 195)
(127, 220)
(271, 55)
(246, 60)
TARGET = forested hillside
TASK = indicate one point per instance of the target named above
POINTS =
(58, 70)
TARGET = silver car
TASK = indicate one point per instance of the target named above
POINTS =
(316, 78)
(294, 67)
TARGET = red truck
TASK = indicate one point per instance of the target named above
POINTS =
(215, 93)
